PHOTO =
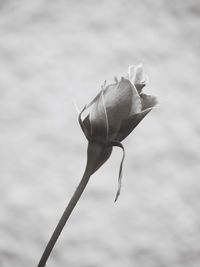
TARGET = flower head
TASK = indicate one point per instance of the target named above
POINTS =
(113, 114)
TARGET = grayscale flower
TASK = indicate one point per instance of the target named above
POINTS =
(112, 116)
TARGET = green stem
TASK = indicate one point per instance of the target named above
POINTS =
(64, 219)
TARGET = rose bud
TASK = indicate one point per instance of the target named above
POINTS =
(112, 116)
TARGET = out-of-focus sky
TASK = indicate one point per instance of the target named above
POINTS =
(54, 53)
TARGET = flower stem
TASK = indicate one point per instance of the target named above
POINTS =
(64, 219)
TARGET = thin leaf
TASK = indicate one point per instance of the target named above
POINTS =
(116, 143)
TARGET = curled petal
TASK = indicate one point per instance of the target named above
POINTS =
(129, 124)
(137, 76)
(83, 124)
(140, 76)
(148, 101)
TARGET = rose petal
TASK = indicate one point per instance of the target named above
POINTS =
(137, 76)
(131, 73)
(139, 87)
(121, 100)
(98, 119)
(148, 101)
(84, 124)
(87, 127)
(129, 124)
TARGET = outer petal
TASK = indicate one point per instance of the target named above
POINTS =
(87, 127)
(121, 100)
(148, 101)
(84, 124)
(98, 119)
(129, 124)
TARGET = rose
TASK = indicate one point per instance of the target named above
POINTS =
(113, 115)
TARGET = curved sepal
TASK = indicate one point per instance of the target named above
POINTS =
(116, 143)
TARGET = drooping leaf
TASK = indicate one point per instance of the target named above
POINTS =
(116, 143)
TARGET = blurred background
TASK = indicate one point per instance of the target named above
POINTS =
(54, 53)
